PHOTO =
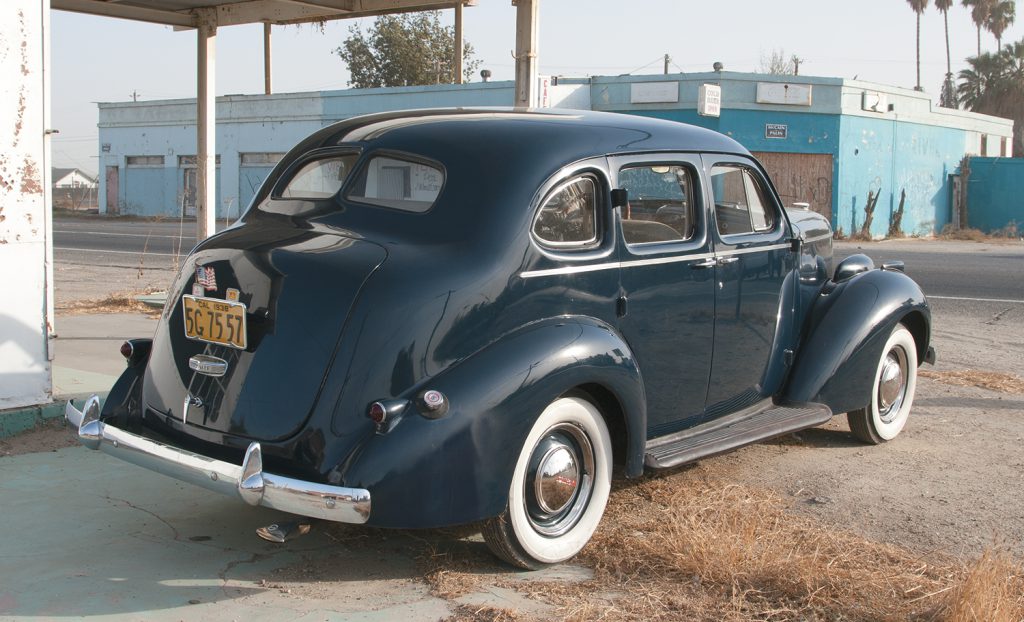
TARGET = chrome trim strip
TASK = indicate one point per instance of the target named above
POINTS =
(248, 481)
(756, 249)
(615, 264)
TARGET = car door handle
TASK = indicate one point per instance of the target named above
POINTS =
(707, 263)
(727, 260)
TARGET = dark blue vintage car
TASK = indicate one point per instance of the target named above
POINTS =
(453, 316)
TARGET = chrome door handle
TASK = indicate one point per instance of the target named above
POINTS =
(707, 263)
(727, 260)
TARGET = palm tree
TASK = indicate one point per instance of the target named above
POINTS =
(979, 14)
(919, 6)
(1000, 16)
(948, 98)
(994, 84)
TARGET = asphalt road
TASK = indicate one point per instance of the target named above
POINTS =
(946, 270)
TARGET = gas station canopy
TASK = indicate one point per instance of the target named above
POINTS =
(184, 13)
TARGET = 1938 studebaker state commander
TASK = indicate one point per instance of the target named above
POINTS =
(451, 316)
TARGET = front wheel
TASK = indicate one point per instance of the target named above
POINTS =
(893, 392)
(559, 488)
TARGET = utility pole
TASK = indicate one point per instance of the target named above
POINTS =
(796, 64)
(135, 96)
(666, 64)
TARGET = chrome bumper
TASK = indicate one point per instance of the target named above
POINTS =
(248, 481)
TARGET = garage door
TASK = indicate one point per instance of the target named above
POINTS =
(801, 177)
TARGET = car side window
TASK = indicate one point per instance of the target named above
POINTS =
(568, 216)
(320, 179)
(660, 205)
(740, 201)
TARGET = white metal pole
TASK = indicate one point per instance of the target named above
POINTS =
(266, 58)
(206, 124)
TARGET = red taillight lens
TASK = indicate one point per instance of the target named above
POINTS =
(127, 350)
(377, 412)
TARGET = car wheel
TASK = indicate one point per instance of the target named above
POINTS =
(892, 393)
(559, 488)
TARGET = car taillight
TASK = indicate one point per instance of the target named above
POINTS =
(378, 414)
(127, 350)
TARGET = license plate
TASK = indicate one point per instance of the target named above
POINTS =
(215, 321)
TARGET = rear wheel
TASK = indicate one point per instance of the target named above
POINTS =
(892, 394)
(559, 488)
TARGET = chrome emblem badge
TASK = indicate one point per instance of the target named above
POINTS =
(208, 365)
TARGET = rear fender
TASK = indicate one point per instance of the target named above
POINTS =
(847, 329)
(456, 469)
(123, 405)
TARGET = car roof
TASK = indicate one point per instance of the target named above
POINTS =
(591, 133)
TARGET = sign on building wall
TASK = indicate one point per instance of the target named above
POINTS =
(709, 100)
(654, 92)
(784, 93)
(873, 101)
(543, 92)
(776, 130)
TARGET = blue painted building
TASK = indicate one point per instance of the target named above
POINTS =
(827, 142)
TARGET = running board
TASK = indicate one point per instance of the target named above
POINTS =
(760, 422)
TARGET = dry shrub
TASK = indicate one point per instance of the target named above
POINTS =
(949, 232)
(995, 381)
(121, 302)
(992, 590)
(464, 613)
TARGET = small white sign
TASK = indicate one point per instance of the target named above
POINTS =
(873, 101)
(784, 93)
(654, 92)
(543, 91)
(709, 100)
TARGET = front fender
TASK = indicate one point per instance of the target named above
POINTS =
(848, 327)
(457, 469)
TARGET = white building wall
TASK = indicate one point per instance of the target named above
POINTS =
(24, 173)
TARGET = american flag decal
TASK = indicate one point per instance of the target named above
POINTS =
(206, 277)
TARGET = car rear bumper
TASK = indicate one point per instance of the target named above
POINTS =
(248, 481)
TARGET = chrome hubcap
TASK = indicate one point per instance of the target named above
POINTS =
(559, 480)
(892, 385)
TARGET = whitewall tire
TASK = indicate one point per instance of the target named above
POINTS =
(892, 393)
(559, 488)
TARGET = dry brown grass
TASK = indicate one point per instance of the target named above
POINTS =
(994, 381)
(683, 548)
(121, 302)
(992, 590)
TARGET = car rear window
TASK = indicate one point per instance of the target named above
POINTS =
(397, 183)
(320, 179)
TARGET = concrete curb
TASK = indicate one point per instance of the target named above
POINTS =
(19, 420)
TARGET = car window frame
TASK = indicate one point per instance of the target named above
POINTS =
(779, 230)
(700, 240)
(555, 190)
(394, 154)
(604, 246)
(327, 153)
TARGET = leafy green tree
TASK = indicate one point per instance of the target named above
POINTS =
(918, 6)
(1000, 16)
(404, 50)
(979, 14)
(994, 84)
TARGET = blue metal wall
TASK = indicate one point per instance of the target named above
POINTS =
(995, 194)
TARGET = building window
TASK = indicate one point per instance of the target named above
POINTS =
(144, 160)
(189, 161)
(261, 159)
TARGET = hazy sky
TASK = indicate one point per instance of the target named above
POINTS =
(104, 59)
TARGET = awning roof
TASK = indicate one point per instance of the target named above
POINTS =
(182, 13)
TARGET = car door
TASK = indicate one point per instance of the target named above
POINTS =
(667, 284)
(750, 238)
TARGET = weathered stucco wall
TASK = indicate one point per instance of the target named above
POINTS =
(24, 365)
